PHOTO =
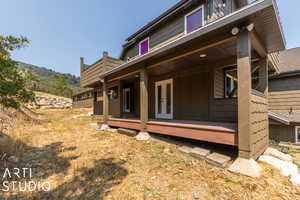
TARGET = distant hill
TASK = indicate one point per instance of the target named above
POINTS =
(47, 78)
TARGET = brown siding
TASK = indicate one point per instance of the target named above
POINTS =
(175, 27)
(191, 96)
(284, 94)
(282, 133)
(224, 110)
(219, 83)
(98, 108)
(259, 124)
(115, 104)
(221, 109)
(91, 75)
(87, 103)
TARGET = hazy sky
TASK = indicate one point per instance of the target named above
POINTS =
(62, 31)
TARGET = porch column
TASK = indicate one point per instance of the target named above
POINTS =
(143, 135)
(244, 164)
(105, 105)
(244, 94)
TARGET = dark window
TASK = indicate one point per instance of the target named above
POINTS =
(194, 20)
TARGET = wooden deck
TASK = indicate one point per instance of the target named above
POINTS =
(222, 133)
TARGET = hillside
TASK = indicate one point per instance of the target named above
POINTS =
(47, 78)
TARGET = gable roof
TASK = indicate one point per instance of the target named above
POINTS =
(289, 60)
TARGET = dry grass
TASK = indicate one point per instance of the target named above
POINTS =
(82, 163)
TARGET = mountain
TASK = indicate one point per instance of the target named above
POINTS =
(47, 78)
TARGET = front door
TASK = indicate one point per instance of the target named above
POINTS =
(164, 99)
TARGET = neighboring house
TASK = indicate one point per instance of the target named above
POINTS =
(198, 71)
(83, 99)
(284, 98)
(90, 78)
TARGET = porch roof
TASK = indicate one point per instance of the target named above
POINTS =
(263, 13)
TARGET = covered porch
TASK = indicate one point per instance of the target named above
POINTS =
(209, 85)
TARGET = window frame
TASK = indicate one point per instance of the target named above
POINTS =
(190, 13)
(296, 134)
(225, 83)
(140, 49)
(125, 110)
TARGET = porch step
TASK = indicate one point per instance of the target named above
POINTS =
(128, 132)
(213, 158)
(218, 159)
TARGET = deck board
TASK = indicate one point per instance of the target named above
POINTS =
(216, 132)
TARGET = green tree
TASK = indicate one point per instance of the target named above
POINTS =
(32, 80)
(62, 86)
(13, 89)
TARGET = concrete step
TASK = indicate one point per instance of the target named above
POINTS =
(128, 132)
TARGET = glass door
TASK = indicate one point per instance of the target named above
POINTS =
(164, 99)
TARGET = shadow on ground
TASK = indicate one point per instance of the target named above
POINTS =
(87, 183)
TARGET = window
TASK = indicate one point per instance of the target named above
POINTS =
(194, 20)
(113, 93)
(144, 46)
(230, 83)
(297, 134)
(126, 100)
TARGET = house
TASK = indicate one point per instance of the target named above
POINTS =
(284, 98)
(83, 99)
(197, 71)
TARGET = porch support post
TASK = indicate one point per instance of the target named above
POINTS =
(244, 93)
(105, 106)
(244, 164)
(143, 135)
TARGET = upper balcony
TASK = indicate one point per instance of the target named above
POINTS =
(90, 74)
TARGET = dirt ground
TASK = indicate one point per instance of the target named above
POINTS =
(82, 163)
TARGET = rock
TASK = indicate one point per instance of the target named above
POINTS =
(104, 127)
(295, 179)
(128, 132)
(286, 168)
(218, 159)
(248, 167)
(112, 130)
(13, 159)
(142, 136)
(185, 149)
(196, 195)
(199, 152)
(167, 150)
(277, 154)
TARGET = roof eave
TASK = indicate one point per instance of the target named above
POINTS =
(226, 20)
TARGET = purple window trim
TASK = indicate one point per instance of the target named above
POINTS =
(144, 47)
(194, 20)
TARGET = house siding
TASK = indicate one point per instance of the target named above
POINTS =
(175, 27)
(284, 93)
(282, 133)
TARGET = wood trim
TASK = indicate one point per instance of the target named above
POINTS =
(105, 101)
(205, 131)
(144, 98)
(257, 44)
(244, 93)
